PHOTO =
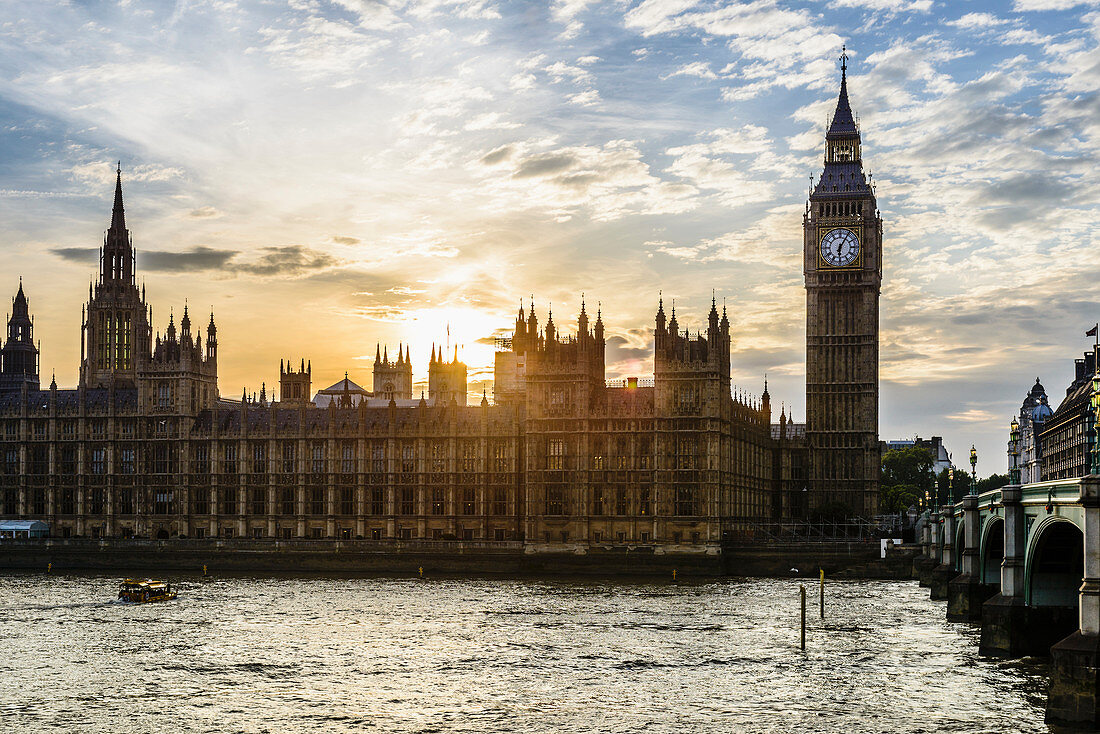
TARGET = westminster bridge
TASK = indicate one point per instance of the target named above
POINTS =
(1024, 561)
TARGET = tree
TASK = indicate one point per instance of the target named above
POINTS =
(946, 491)
(906, 477)
(993, 481)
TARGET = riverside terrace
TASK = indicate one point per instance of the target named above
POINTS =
(1024, 561)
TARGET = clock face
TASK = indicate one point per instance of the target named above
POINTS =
(839, 247)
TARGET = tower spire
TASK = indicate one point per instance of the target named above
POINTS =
(118, 214)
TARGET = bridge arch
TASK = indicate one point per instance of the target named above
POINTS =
(992, 550)
(1055, 563)
(959, 539)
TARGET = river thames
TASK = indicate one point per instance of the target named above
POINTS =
(288, 654)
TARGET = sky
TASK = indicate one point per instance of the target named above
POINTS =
(331, 175)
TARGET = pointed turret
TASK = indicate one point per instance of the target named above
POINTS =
(19, 355)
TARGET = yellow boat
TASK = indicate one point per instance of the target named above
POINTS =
(139, 591)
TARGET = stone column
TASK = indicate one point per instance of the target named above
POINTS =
(945, 571)
(1012, 569)
(971, 553)
(949, 536)
(934, 521)
(1074, 695)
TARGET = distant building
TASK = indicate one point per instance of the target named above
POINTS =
(1034, 413)
(941, 457)
(1067, 435)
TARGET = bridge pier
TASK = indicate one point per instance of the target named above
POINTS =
(924, 571)
(1074, 695)
(966, 593)
(924, 558)
(1005, 616)
(945, 571)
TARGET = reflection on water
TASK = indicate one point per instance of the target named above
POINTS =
(291, 654)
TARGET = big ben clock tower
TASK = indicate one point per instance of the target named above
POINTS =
(842, 262)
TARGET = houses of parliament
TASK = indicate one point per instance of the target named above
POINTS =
(560, 459)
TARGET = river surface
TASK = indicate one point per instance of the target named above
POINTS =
(288, 654)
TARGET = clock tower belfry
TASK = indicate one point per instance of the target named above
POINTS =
(842, 263)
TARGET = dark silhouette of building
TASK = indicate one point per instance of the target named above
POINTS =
(19, 355)
(563, 459)
(843, 271)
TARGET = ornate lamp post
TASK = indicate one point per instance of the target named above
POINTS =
(1014, 453)
(973, 470)
(951, 481)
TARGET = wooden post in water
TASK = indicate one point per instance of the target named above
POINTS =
(823, 593)
(802, 593)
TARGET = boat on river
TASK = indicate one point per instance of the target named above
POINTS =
(143, 591)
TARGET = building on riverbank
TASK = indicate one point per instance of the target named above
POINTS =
(562, 458)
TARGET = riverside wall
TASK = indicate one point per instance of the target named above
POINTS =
(852, 560)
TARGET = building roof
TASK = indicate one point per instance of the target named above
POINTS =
(23, 525)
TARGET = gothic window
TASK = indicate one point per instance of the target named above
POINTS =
(597, 500)
(95, 501)
(469, 501)
(438, 458)
(644, 501)
(555, 501)
(685, 500)
(500, 502)
(317, 501)
(127, 501)
(126, 460)
(288, 457)
(620, 502)
(228, 500)
(438, 501)
(68, 502)
(408, 463)
(162, 502)
(317, 457)
(378, 458)
(347, 458)
(99, 461)
(40, 460)
(202, 502)
(408, 502)
(555, 454)
(163, 395)
(162, 463)
(500, 456)
(68, 461)
(287, 501)
(688, 397)
(469, 456)
(377, 501)
(685, 451)
(11, 463)
(229, 459)
(126, 343)
(347, 501)
(200, 459)
(259, 457)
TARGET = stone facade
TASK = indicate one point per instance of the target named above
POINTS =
(843, 271)
(563, 459)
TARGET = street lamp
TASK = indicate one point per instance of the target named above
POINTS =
(1014, 452)
(973, 470)
(951, 481)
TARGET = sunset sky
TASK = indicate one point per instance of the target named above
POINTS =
(330, 175)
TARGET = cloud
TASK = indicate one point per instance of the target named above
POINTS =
(204, 212)
(271, 262)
